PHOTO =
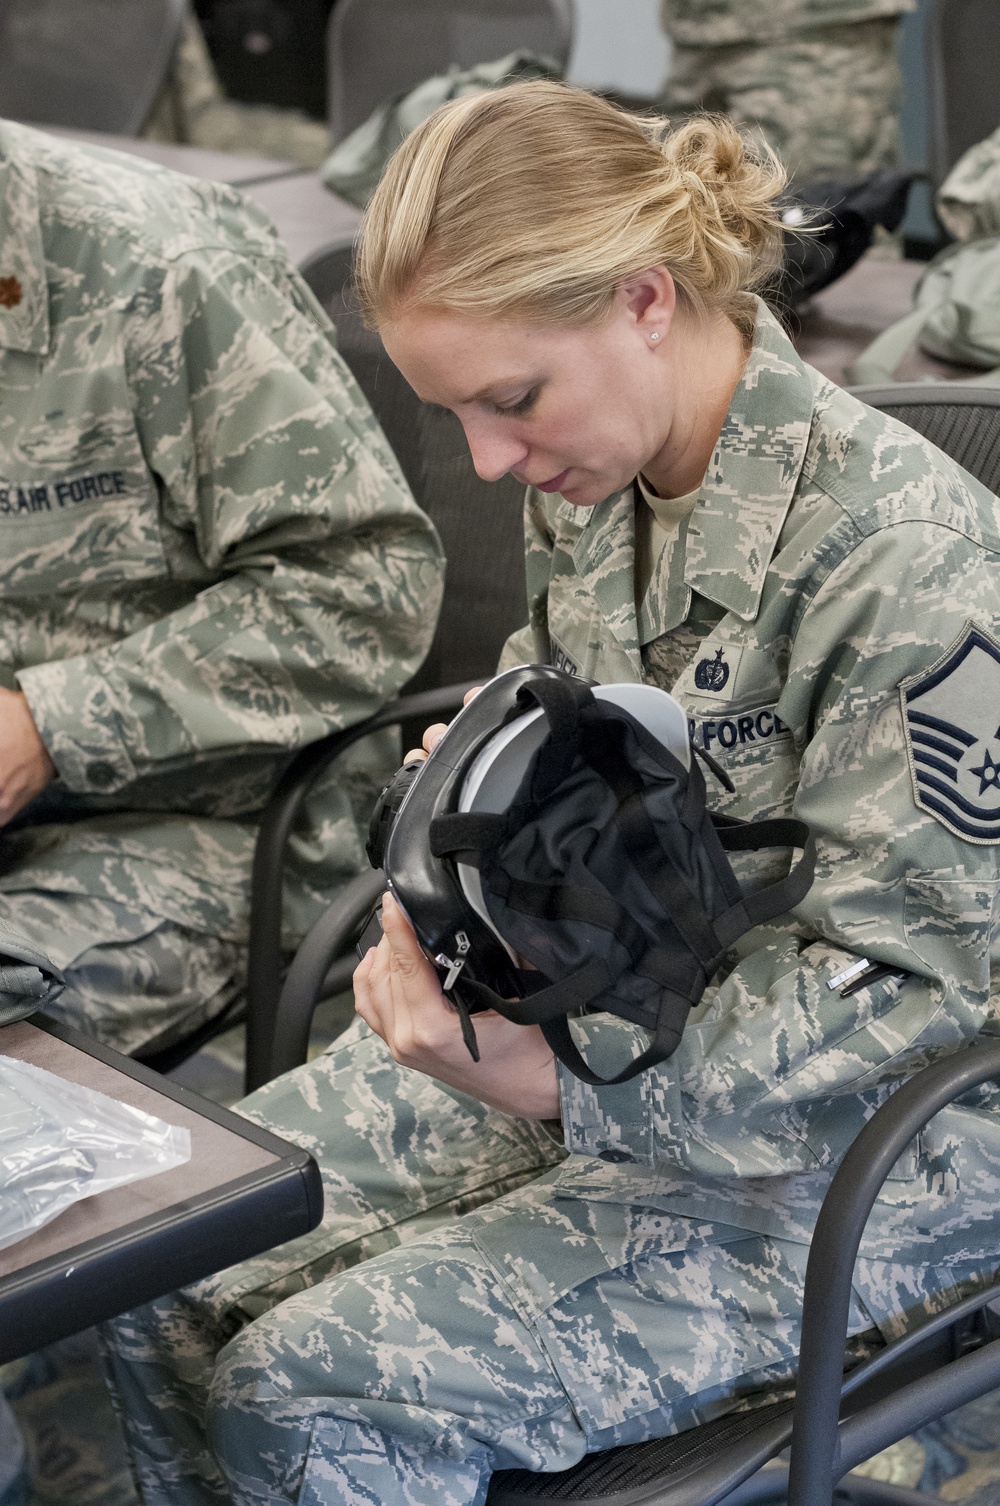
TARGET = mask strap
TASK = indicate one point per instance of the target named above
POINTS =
(664, 1043)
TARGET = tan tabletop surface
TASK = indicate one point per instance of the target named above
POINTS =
(217, 1155)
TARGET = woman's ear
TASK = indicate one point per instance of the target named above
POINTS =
(650, 301)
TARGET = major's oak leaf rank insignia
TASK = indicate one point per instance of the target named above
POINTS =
(951, 716)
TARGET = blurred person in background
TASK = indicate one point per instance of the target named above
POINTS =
(192, 108)
(819, 79)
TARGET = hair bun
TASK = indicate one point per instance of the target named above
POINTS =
(741, 181)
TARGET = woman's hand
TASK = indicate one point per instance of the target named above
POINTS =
(397, 993)
(25, 765)
(434, 734)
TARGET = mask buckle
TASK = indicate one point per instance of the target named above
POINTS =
(462, 945)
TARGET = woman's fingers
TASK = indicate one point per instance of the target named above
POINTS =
(435, 733)
(404, 949)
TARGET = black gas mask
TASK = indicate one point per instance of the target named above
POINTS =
(554, 854)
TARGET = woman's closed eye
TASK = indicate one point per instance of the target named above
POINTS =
(523, 404)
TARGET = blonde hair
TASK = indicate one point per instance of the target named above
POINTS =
(535, 201)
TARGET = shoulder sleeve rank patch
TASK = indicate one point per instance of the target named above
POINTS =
(951, 720)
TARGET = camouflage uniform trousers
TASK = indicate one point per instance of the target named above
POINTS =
(826, 100)
(455, 1313)
(134, 980)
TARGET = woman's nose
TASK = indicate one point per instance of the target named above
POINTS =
(493, 452)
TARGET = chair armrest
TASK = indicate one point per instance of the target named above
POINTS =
(329, 938)
(267, 879)
(834, 1250)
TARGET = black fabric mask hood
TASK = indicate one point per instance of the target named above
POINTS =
(607, 873)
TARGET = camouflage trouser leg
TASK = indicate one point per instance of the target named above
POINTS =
(402, 1352)
(133, 979)
(827, 100)
(399, 1154)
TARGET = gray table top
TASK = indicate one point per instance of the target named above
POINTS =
(307, 215)
(196, 161)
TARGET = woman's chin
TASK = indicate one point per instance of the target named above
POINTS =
(588, 492)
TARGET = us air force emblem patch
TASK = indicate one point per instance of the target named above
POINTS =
(951, 717)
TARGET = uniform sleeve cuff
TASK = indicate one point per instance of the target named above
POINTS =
(73, 709)
(613, 1123)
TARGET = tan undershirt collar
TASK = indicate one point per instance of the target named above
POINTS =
(657, 520)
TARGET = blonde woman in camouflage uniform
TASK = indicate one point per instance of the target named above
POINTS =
(818, 78)
(821, 590)
(210, 557)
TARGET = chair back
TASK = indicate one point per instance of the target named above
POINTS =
(96, 65)
(963, 43)
(481, 523)
(379, 48)
(962, 419)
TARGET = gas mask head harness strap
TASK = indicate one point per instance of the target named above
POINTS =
(555, 856)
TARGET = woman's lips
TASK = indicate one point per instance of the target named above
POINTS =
(555, 484)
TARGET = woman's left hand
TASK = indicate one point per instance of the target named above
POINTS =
(397, 993)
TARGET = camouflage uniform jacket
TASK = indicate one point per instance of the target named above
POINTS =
(210, 556)
(721, 23)
(829, 616)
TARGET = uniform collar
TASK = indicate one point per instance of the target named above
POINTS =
(24, 323)
(748, 488)
(753, 474)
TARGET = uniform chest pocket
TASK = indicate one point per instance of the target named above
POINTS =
(758, 753)
(730, 691)
(83, 529)
(952, 922)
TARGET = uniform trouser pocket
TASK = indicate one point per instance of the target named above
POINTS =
(643, 1312)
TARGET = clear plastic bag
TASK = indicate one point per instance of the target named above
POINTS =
(60, 1142)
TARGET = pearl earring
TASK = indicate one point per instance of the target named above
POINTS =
(654, 335)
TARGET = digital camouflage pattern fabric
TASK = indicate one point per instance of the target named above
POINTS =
(819, 81)
(652, 1276)
(210, 557)
(720, 23)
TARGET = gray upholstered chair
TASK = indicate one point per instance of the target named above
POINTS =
(378, 48)
(96, 65)
(961, 45)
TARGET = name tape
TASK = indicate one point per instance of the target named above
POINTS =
(51, 496)
(731, 732)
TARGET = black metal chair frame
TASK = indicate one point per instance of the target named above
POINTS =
(885, 1400)
(268, 1004)
(823, 1447)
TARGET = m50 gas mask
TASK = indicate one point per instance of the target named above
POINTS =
(554, 855)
